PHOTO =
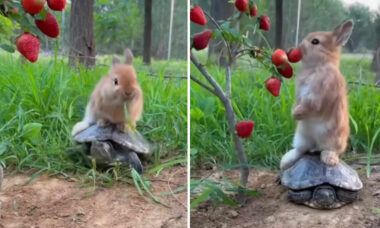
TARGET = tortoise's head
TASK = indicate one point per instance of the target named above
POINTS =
(324, 197)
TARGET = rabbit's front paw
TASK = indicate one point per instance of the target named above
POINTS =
(329, 157)
(299, 112)
(102, 122)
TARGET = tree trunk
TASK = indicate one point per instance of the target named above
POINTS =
(279, 19)
(220, 10)
(147, 32)
(82, 43)
(375, 66)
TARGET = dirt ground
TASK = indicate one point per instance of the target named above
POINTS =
(55, 202)
(271, 209)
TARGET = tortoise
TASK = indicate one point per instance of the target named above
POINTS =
(107, 145)
(315, 184)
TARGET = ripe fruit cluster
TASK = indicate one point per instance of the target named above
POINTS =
(281, 60)
(201, 40)
(28, 44)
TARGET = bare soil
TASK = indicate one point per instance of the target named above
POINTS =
(271, 209)
(56, 202)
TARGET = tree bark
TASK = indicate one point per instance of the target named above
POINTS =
(82, 43)
(375, 66)
(147, 32)
(279, 20)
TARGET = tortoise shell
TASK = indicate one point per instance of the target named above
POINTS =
(309, 172)
(131, 140)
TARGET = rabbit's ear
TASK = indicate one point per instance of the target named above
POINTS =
(343, 32)
(115, 60)
(128, 56)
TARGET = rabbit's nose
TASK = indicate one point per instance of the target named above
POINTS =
(127, 94)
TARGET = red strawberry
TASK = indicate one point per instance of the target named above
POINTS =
(273, 86)
(244, 128)
(294, 55)
(264, 23)
(33, 6)
(200, 40)
(57, 5)
(29, 46)
(285, 70)
(49, 26)
(254, 11)
(197, 15)
(279, 57)
(241, 5)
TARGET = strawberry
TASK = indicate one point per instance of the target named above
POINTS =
(273, 86)
(294, 55)
(253, 10)
(285, 70)
(264, 23)
(200, 40)
(244, 128)
(29, 46)
(241, 5)
(33, 6)
(197, 15)
(49, 26)
(57, 5)
(279, 57)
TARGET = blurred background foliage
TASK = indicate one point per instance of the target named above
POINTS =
(315, 15)
(120, 24)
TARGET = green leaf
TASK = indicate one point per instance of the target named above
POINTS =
(7, 48)
(376, 210)
(3, 148)
(31, 131)
(196, 114)
(203, 197)
(167, 164)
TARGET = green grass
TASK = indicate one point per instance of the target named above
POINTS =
(274, 126)
(41, 102)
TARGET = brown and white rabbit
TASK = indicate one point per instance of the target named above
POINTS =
(321, 108)
(119, 88)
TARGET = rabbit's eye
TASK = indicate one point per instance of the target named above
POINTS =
(115, 81)
(315, 41)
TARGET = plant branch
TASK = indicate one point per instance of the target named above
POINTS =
(224, 39)
(211, 90)
(228, 80)
(226, 100)
(217, 89)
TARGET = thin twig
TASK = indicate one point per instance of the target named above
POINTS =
(203, 85)
(364, 84)
(170, 189)
(221, 30)
(218, 90)
(169, 76)
(228, 80)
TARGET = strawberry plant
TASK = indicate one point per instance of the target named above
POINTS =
(35, 21)
(238, 43)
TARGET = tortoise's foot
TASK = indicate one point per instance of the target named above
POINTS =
(329, 157)
(132, 159)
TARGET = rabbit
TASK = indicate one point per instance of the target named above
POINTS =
(321, 106)
(119, 88)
